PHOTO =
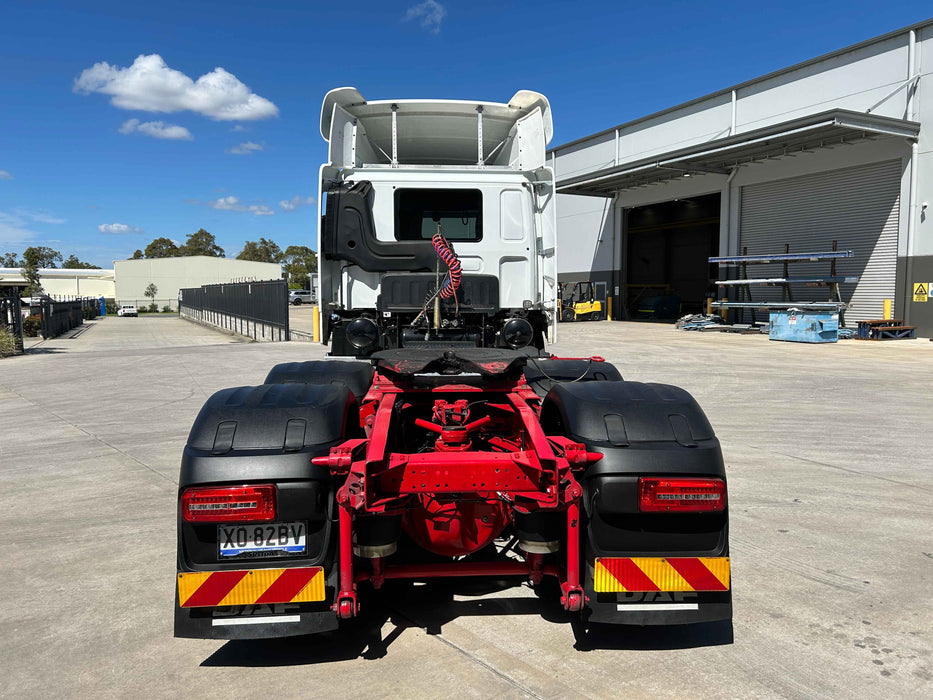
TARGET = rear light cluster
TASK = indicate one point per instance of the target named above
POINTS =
(681, 495)
(229, 504)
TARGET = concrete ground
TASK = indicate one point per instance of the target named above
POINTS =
(301, 318)
(830, 459)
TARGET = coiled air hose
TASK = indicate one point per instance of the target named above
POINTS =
(450, 259)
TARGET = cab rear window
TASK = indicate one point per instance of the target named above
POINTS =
(418, 212)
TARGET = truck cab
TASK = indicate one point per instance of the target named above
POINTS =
(438, 224)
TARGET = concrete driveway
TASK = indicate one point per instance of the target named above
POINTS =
(830, 460)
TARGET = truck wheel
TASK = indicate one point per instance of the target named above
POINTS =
(356, 376)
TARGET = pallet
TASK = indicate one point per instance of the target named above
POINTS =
(884, 329)
(892, 332)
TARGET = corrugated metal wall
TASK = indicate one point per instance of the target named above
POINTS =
(858, 207)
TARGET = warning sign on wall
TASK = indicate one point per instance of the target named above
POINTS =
(921, 291)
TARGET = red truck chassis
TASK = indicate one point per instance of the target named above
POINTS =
(455, 499)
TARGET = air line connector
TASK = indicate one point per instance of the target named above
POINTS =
(340, 458)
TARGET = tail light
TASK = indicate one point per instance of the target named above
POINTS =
(681, 495)
(228, 504)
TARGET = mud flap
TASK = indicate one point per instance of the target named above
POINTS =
(255, 621)
(654, 608)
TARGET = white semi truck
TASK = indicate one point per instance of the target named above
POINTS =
(459, 448)
(399, 173)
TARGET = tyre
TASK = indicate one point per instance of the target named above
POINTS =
(297, 302)
(567, 315)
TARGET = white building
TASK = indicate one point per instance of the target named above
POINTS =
(831, 149)
(60, 282)
(171, 274)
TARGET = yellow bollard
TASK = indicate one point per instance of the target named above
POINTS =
(316, 321)
(709, 306)
(888, 314)
(609, 309)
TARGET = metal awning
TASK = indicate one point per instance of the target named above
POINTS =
(801, 135)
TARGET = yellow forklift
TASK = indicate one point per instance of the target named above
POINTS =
(578, 302)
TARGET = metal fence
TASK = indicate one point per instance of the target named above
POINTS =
(11, 318)
(60, 316)
(257, 310)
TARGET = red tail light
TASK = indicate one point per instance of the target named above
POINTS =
(681, 495)
(228, 504)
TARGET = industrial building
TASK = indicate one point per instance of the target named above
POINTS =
(126, 283)
(64, 282)
(829, 150)
(171, 274)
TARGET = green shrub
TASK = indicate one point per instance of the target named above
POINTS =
(111, 307)
(7, 344)
(32, 325)
(167, 309)
(153, 308)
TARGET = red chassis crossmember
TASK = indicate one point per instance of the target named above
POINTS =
(467, 495)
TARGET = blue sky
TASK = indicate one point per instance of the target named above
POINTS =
(101, 151)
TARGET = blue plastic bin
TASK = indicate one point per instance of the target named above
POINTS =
(801, 326)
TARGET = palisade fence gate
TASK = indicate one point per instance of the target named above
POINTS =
(11, 318)
(62, 315)
(257, 310)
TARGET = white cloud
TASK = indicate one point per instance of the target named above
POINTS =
(158, 130)
(118, 229)
(42, 217)
(238, 127)
(14, 229)
(151, 86)
(231, 203)
(245, 148)
(4, 175)
(431, 14)
(295, 202)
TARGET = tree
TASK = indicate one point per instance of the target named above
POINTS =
(299, 262)
(202, 242)
(263, 251)
(33, 283)
(35, 258)
(41, 256)
(72, 263)
(10, 260)
(138, 255)
(162, 248)
(151, 292)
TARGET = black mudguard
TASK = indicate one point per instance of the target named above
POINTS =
(356, 376)
(266, 434)
(641, 430)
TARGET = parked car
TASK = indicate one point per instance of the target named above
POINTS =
(127, 310)
(297, 297)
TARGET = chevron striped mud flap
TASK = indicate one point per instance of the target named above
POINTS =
(668, 574)
(257, 586)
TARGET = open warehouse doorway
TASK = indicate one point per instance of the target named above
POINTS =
(666, 262)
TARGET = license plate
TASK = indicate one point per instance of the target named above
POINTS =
(262, 540)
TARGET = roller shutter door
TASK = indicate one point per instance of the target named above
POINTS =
(858, 207)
